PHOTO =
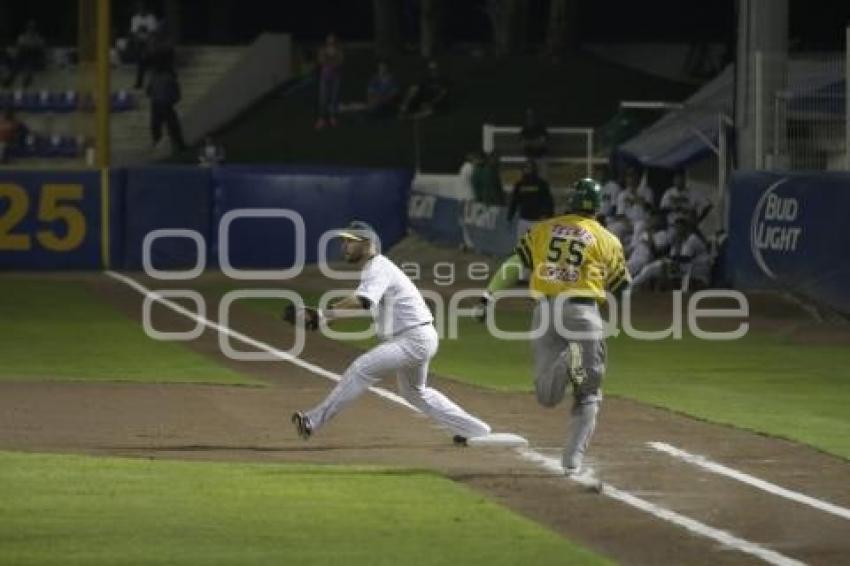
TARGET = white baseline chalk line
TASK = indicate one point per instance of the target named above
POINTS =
(547, 463)
(725, 538)
(248, 340)
(714, 467)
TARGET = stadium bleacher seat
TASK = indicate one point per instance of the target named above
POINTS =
(123, 101)
(60, 146)
(65, 101)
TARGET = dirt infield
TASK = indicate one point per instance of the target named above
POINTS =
(251, 424)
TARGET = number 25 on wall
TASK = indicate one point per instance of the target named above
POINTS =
(53, 206)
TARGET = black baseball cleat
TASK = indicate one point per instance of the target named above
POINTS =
(459, 440)
(302, 425)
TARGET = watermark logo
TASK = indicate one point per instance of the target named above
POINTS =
(558, 316)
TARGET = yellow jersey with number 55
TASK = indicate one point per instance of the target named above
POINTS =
(573, 254)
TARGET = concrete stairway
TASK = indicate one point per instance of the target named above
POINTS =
(198, 69)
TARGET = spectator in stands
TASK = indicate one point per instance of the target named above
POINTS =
(534, 136)
(158, 53)
(30, 55)
(487, 180)
(12, 132)
(679, 201)
(143, 23)
(211, 153)
(330, 59)
(531, 198)
(425, 97)
(164, 92)
(382, 92)
(687, 265)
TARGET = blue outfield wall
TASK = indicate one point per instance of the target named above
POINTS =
(165, 197)
(328, 199)
(789, 231)
(452, 222)
(61, 220)
(50, 219)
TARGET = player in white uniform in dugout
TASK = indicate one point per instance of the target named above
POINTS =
(409, 341)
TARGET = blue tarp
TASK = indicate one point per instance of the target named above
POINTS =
(680, 137)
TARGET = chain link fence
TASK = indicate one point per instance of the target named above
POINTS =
(801, 112)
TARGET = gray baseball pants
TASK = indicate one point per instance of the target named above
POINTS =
(572, 352)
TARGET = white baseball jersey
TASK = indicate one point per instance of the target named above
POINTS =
(694, 248)
(403, 321)
(608, 196)
(647, 194)
(630, 205)
(397, 304)
(679, 201)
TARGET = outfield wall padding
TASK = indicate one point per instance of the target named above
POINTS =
(50, 219)
(165, 197)
(453, 222)
(789, 232)
(36, 216)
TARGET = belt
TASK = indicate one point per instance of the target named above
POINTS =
(575, 300)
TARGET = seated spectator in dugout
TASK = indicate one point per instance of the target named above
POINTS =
(608, 195)
(425, 97)
(12, 133)
(211, 153)
(679, 200)
(651, 243)
(630, 211)
(30, 55)
(686, 266)
(382, 92)
(534, 136)
(642, 189)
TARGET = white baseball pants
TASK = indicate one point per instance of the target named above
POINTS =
(408, 355)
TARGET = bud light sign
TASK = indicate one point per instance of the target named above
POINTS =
(789, 232)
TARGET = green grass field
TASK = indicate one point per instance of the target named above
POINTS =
(59, 330)
(88, 511)
(111, 510)
(763, 382)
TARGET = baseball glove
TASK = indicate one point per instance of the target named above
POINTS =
(308, 317)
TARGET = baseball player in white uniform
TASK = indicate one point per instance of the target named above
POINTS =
(409, 341)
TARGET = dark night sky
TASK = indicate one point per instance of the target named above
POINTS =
(813, 23)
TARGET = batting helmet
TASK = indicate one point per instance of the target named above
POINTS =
(586, 196)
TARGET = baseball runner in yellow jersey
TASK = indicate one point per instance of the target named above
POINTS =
(573, 261)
